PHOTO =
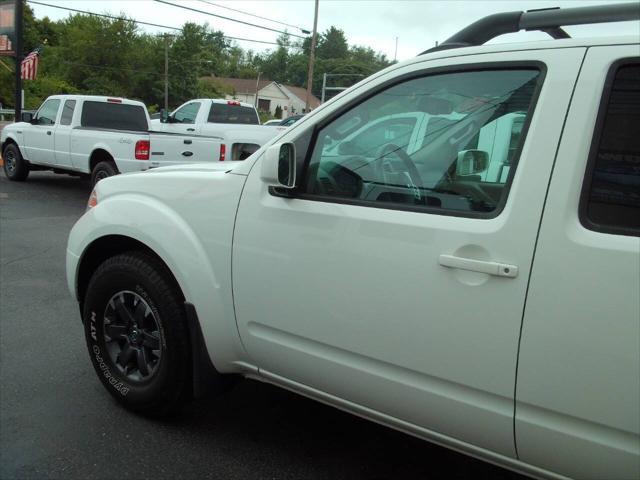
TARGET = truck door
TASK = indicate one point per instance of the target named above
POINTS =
(62, 136)
(578, 389)
(396, 280)
(183, 120)
(38, 137)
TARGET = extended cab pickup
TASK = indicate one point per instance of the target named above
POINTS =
(236, 123)
(477, 287)
(100, 136)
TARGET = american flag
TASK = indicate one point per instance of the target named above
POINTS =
(29, 66)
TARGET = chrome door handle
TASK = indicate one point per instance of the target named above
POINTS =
(492, 268)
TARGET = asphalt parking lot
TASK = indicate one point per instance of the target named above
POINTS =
(56, 421)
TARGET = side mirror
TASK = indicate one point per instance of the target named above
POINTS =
(279, 166)
(471, 162)
(164, 116)
(27, 117)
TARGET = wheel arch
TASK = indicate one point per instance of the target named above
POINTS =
(98, 155)
(106, 247)
(11, 141)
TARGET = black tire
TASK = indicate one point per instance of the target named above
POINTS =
(156, 320)
(15, 167)
(103, 170)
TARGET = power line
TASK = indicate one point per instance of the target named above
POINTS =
(228, 18)
(113, 17)
(303, 30)
(103, 15)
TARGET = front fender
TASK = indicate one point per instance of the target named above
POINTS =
(15, 138)
(203, 274)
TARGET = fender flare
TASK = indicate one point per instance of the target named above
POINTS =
(160, 229)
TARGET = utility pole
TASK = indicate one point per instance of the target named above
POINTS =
(255, 102)
(166, 72)
(312, 57)
(395, 55)
(18, 19)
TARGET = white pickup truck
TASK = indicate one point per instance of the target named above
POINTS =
(480, 291)
(236, 123)
(98, 136)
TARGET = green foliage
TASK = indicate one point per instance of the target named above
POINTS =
(278, 112)
(102, 56)
(333, 44)
(264, 116)
(212, 88)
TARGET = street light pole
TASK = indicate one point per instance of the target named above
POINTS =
(312, 57)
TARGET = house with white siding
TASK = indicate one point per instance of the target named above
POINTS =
(270, 95)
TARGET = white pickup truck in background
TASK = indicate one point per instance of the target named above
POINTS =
(237, 123)
(99, 136)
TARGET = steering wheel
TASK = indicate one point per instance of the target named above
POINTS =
(410, 176)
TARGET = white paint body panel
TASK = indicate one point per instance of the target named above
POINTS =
(357, 292)
(578, 394)
(157, 209)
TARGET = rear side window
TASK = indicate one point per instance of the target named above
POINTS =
(67, 112)
(222, 113)
(114, 116)
(611, 194)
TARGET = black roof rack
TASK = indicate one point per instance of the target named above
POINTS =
(547, 20)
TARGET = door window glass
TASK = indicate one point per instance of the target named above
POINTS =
(67, 112)
(48, 112)
(613, 195)
(444, 143)
(187, 114)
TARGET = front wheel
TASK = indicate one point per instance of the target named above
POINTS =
(15, 167)
(136, 332)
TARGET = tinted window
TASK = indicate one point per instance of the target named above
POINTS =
(48, 112)
(187, 114)
(613, 196)
(445, 143)
(67, 112)
(223, 113)
(114, 116)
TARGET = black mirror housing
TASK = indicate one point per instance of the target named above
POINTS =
(164, 116)
(27, 117)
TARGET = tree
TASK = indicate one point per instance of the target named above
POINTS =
(332, 44)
